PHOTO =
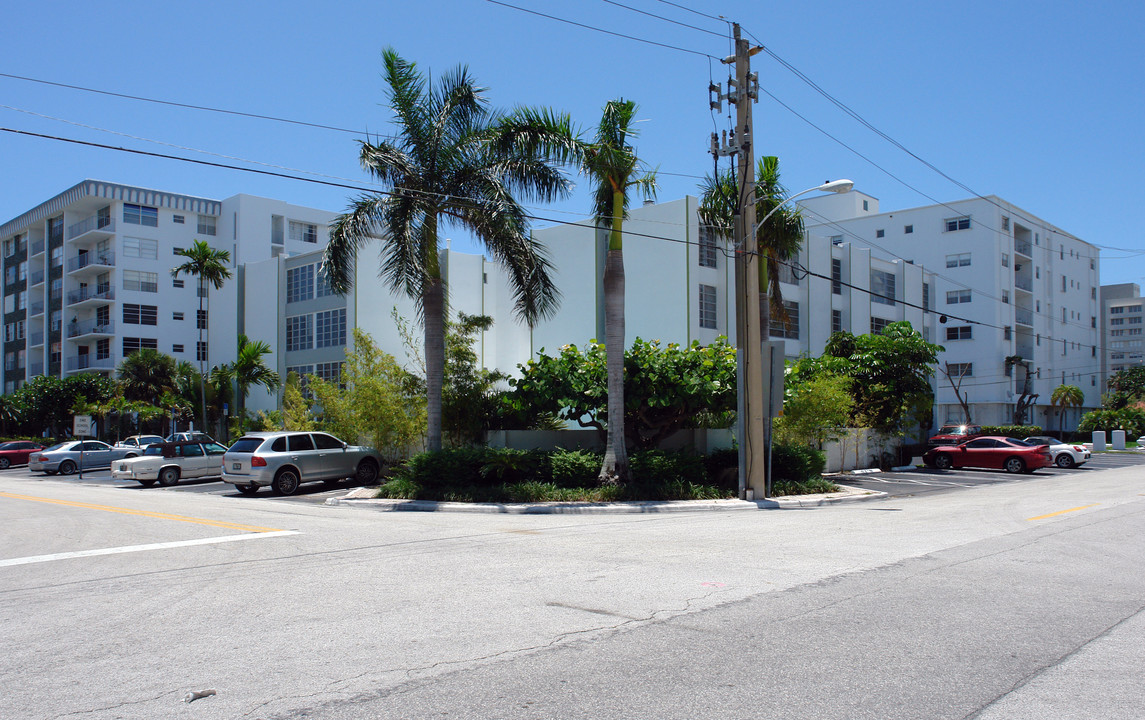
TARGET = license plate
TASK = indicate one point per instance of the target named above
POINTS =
(236, 466)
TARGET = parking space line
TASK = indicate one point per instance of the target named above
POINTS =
(140, 548)
(144, 513)
(1062, 512)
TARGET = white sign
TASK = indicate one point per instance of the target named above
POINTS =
(82, 426)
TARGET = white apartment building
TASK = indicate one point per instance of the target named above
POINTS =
(1007, 282)
(1121, 328)
(88, 275)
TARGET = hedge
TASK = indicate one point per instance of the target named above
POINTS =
(1015, 431)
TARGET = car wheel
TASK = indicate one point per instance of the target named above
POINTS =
(169, 477)
(248, 490)
(943, 462)
(5, 463)
(1014, 465)
(367, 472)
(285, 483)
(1064, 460)
(67, 467)
(146, 483)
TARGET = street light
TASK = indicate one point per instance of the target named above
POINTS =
(835, 186)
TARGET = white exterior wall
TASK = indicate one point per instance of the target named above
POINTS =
(1121, 304)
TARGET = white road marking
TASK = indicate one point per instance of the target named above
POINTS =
(141, 548)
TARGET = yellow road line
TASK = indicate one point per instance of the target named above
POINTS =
(143, 513)
(1062, 512)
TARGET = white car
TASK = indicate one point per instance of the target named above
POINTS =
(171, 462)
(1065, 455)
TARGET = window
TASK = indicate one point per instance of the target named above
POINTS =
(1063, 283)
(956, 297)
(836, 276)
(836, 321)
(177, 348)
(836, 239)
(331, 372)
(786, 274)
(141, 281)
(708, 306)
(1005, 223)
(322, 441)
(300, 283)
(788, 328)
(882, 287)
(958, 260)
(1117, 321)
(54, 353)
(958, 223)
(1005, 260)
(207, 224)
(707, 247)
(1132, 320)
(298, 333)
(878, 324)
(140, 215)
(102, 349)
(962, 332)
(301, 371)
(176, 315)
(140, 314)
(960, 369)
(201, 350)
(322, 283)
(925, 297)
(177, 282)
(1117, 310)
(1037, 272)
(140, 248)
(330, 328)
(1006, 296)
(303, 232)
(880, 233)
(865, 206)
(908, 229)
(299, 442)
(57, 256)
(201, 319)
(178, 219)
(131, 344)
(1007, 333)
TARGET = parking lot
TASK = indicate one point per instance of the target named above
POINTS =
(930, 480)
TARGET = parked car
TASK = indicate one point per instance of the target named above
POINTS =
(169, 462)
(954, 434)
(1065, 455)
(1009, 454)
(138, 442)
(65, 458)
(192, 436)
(17, 452)
(284, 460)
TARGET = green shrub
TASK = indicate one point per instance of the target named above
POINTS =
(514, 466)
(1014, 431)
(400, 489)
(796, 463)
(717, 463)
(1131, 420)
(574, 468)
(806, 487)
(455, 467)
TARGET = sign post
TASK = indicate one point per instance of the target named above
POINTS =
(81, 428)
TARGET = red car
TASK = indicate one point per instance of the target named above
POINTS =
(954, 434)
(17, 452)
(1003, 453)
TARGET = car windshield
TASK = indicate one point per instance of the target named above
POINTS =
(59, 446)
(153, 450)
(246, 445)
(952, 430)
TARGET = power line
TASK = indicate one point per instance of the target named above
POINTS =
(661, 17)
(697, 12)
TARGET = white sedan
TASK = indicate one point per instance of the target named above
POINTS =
(170, 462)
(1065, 455)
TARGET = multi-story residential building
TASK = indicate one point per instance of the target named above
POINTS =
(88, 274)
(1005, 284)
(1121, 328)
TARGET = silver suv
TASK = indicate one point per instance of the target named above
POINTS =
(285, 460)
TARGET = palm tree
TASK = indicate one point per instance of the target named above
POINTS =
(455, 162)
(210, 267)
(146, 374)
(1066, 396)
(249, 369)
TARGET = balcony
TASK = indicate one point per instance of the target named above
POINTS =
(37, 247)
(36, 307)
(102, 293)
(91, 260)
(91, 326)
(95, 225)
(1024, 284)
(1025, 351)
(36, 369)
(35, 338)
(1022, 247)
(37, 277)
(1024, 316)
(88, 362)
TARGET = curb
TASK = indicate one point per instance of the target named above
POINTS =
(847, 494)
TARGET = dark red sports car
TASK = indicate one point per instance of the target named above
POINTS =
(17, 452)
(1002, 453)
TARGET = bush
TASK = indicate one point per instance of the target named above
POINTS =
(574, 468)
(454, 467)
(1015, 431)
(1131, 420)
(796, 463)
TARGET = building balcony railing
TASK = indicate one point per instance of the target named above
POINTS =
(92, 326)
(1022, 247)
(89, 362)
(95, 222)
(1024, 284)
(37, 277)
(101, 292)
(36, 337)
(1025, 351)
(36, 307)
(36, 369)
(38, 247)
(1024, 316)
(79, 262)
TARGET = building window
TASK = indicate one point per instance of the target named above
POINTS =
(54, 353)
(201, 351)
(836, 239)
(178, 219)
(141, 281)
(303, 232)
(201, 319)
(330, 328)
(962, 332)
(1005, 260)
(177, 348)
(132, 344)
(1117, 310)
(958, 260)
(882, 287)
(865, 206)
(176, 315)
(298, 333)
(322, 282)
(1006, 296)
(1117, 321)
(836, 276)
(1007, 333)
(958, 223)
(140, 314)
(708, 306)
(102, 349)
(956, 297)
(707, 247)
(788, 328)
(300, 283)
(786, 273)
(331, 372)
(836, 321)
(140, 215)
(140, 248)
(880, 233)
(908, 229)
(925, 297)
(57, 256)
(1063, 283)
(177, 282)
(207, 224)
(960, 369)
(878, 324)
(1005, 223)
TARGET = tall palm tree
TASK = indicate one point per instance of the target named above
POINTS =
(1066, 396)
(209, 266)
(454, 162)
(249, 369)
(779, 239)
(146, 374)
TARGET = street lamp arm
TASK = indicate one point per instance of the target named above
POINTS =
(835, 186)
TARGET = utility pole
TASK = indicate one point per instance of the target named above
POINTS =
(751, 374)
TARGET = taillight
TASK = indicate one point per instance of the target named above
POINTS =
(256, 461)
(42, 458)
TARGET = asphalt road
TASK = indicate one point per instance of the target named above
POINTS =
(1007, 600)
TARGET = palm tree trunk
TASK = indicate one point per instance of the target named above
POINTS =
(202, 382)
(433, 307)
(615, 467)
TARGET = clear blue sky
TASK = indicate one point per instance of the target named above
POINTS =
(1037, 102)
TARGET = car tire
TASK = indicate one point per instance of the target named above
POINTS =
(943, 462)
(286, 482)
(146, 483)
(248, 490)
(5, 463)
(168, 477)
(1014, 465)
(1064, 460)
(67, 467)
(367, 473)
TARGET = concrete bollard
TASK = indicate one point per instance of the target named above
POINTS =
(1098, 440)
(1118, 439)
